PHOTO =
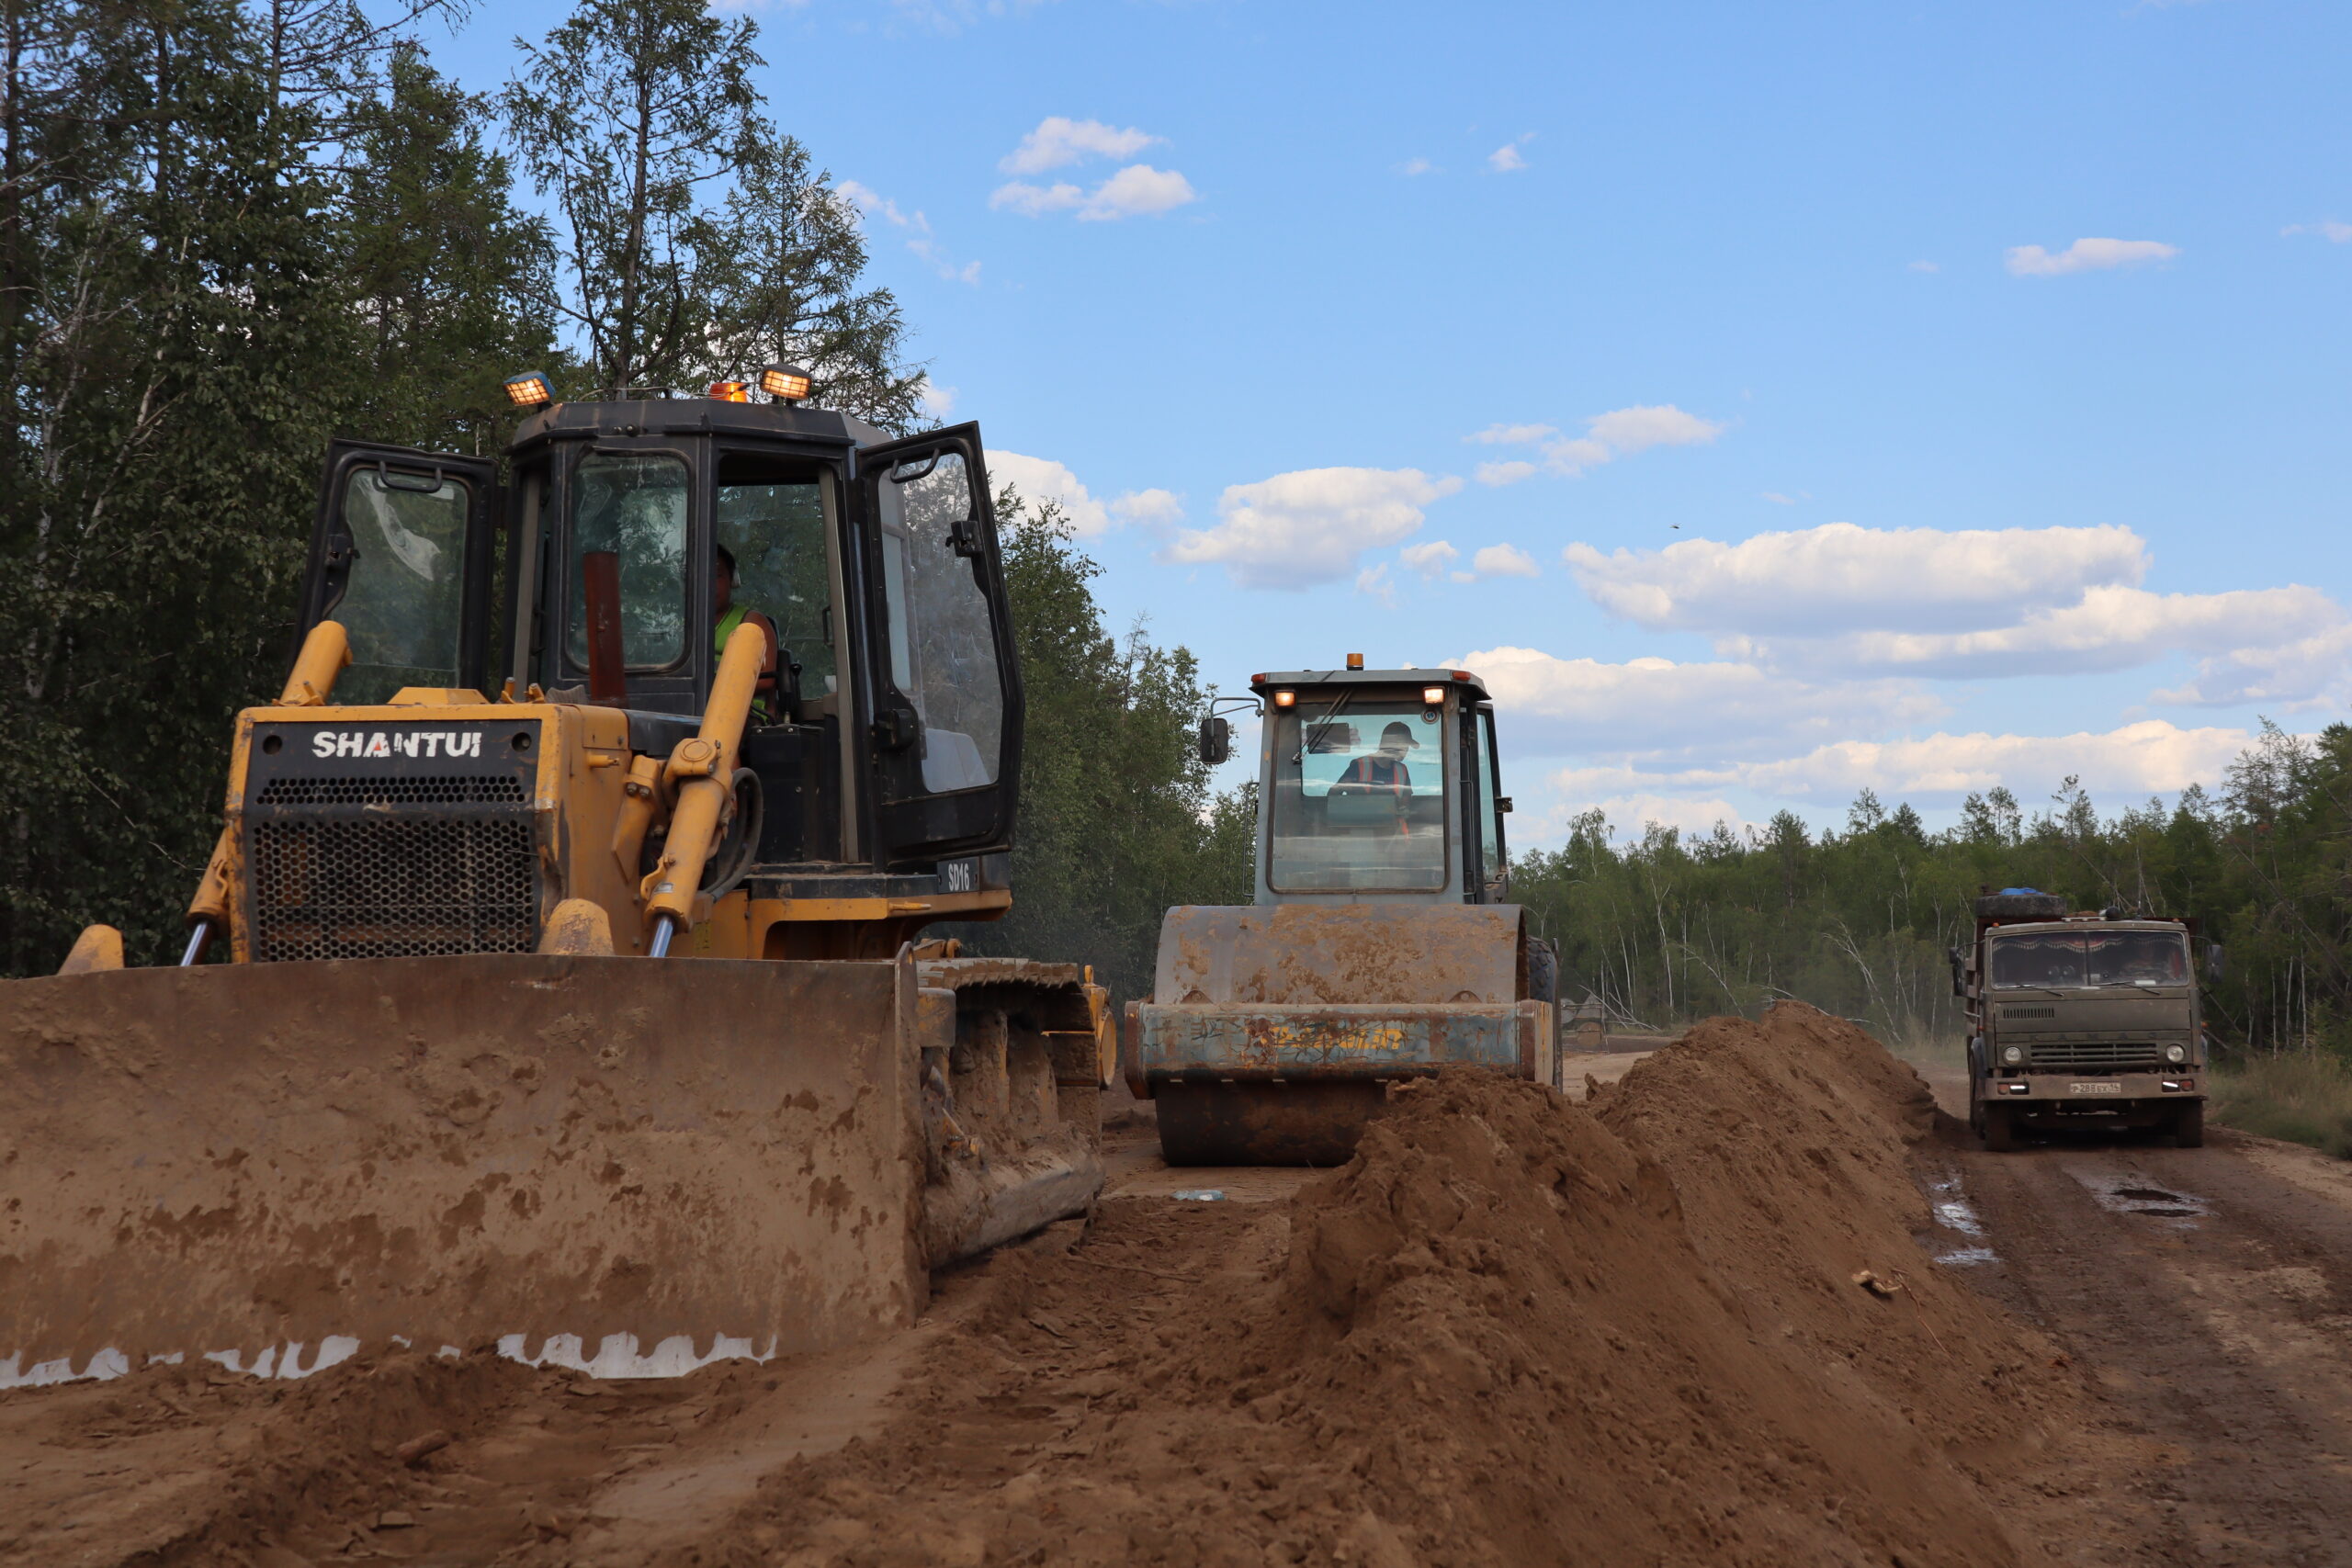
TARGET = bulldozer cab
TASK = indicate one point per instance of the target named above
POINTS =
(1382, 786)
(890, 742)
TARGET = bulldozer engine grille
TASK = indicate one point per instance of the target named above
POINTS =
(477, 789)
(392, 890)
(2093, 1053)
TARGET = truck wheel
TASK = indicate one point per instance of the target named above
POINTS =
(2000, 1129)
(2188, 1126)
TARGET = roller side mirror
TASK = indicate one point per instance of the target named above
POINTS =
(1216, 740)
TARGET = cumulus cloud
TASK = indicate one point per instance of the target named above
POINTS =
(1429, 558)
(1152, 508)
(2111, 628)
(1504, 560)
(1042, 478)
(938, 401)
(1620, 433)
(1310, 526)
(1059, 141)
(2150, 757)
(1506, 159)
(2331, 230)
(1656, 705)
(2294, 673)
(1136, 191)
(2086, 255)
(1841, 577)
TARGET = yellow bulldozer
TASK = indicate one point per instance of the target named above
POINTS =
(593, 1019)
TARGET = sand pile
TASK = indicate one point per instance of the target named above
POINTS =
(1511, 1331)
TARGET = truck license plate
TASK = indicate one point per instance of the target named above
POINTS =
(2093, 1089)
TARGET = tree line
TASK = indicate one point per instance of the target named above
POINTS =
(1667, 927)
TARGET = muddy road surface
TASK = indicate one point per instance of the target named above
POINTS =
(2204, 1299)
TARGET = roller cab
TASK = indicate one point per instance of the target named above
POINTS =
(1380, 944)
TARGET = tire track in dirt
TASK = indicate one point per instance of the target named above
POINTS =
(2218, 1342)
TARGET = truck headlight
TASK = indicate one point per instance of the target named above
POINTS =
(2012, 1054)
(2175, 1052)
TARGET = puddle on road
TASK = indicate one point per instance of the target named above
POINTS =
(2131, 1195)
(1955, 1214)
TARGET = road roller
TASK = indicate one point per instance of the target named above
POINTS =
(1380, 944)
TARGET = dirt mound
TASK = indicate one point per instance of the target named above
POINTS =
(1510, 1331)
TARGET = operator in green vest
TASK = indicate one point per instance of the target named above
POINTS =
(730, 615)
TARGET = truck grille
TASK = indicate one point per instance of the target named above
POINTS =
(335, 875)
(2093, 1053)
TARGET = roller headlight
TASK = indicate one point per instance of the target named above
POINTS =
(2012, 1054)
(2175, 1052)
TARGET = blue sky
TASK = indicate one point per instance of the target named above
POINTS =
(1918, 397)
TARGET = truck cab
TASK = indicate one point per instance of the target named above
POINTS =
(2080, 1021)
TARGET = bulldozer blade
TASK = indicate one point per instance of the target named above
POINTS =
(611, 1164)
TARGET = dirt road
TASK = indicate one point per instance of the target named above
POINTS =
(1631, 1333)
(2204, 1298)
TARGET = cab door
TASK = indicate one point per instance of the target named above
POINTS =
(401, 556)
(944, 721)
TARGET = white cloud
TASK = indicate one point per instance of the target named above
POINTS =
(2150, 757)
(1152, 508)
(1310, 526)
(1059, 141)
(1042, 478)
(1412, 166)
(938, 401)
(1035, 201)
(1506, 159)
(1373, 583)
(2294, 673)
(1656, 706)
(1504, 560)
(1629, 815)
(1429, 558)
(1841, 577)
(2087, 255)
(1925, 266)
(1777, 499)
(2339, 232)
(1511, 435)
(2110, 628)
(1137, 190)
(865, 202)
(1620, 433)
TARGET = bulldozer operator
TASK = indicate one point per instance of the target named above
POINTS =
(730, 615)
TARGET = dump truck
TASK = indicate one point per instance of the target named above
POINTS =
(2079, 1020)
(1381, 945)
(559, 981)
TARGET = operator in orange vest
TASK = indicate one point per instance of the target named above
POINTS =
(730, 615)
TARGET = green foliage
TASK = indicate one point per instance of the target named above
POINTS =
(1117, 822)
(1667, 927)
(696, 243)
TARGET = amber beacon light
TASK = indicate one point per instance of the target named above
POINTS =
(530, 390)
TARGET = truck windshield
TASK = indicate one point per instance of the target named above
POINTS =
(2067, 960)
(1358, 800)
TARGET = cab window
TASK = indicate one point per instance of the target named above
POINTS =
(771, 518)
(633, 505)
(940, 635)
(402, 601)
(1359, 799)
